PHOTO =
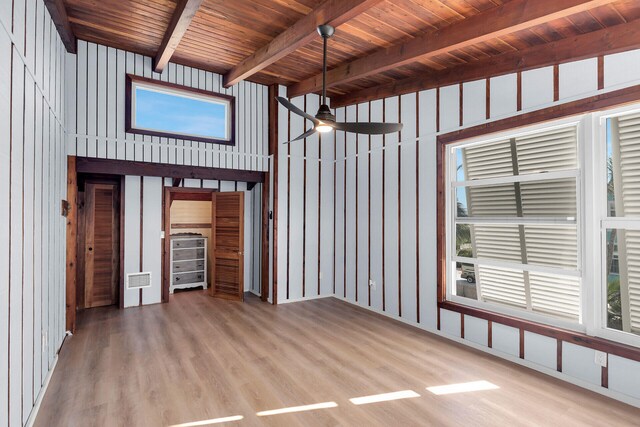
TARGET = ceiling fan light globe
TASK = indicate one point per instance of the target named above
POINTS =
(323, 128)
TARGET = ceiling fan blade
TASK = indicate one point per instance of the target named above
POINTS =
(368, 128)
(304, 135)
(295, 109)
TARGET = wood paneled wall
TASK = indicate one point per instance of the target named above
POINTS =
(96, 112)
(33, 169)
(384, 215)
(143, 227)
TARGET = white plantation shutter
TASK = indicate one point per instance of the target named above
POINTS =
(555, 295)
(498, 242)
(503, 286)
(627, 200)
(547, 151)
(488, 161)
(492, 200)
(552, 246)
(542, 244)
(556, 198)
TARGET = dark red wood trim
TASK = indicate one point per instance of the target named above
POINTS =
(559, 356)
(400, 209)
(489, 334)
(521, 343)
(573, 337)
(126, 167)
(556, 82)
(594, 103)
(604, 375)
(519, 91)
(460, 104)
(288, 201)
(418, 199)
(437, 109)
(462, 325)
(318, 239)
(71, 244)
(600, 72)
(487, 91)
(122, 198)
(130, 79)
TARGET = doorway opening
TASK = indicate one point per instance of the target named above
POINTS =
(204, 242)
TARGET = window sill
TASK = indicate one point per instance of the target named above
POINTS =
(577, 338)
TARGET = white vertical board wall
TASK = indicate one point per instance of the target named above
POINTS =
(306, 206)
(97, 113)
(32, 184)
(397, 203)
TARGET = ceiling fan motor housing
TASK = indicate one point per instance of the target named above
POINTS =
(324, 114)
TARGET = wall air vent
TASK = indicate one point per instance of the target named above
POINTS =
(138, 280)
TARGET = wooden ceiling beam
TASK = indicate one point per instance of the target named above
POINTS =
(182, 16)
(332, 12)
(511, 17)
(58, 13)
(607, 41)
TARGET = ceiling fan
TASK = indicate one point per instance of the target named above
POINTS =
(324, 120)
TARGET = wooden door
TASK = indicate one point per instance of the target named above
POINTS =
(101, 247)
(227, 235)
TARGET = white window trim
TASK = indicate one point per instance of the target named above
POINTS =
(158, 88)
(599, 221)
(592, 222)
(584, 139)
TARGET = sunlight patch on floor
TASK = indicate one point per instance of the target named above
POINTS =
(385, 397)
(323, 405)
(462, 387)
(209, 422)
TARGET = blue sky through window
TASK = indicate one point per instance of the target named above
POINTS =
(172, 113)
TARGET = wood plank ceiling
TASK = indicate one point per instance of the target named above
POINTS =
(223, 33)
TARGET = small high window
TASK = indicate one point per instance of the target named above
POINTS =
(165, 109)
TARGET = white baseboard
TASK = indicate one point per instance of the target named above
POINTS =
(584, 384)
(36, 407)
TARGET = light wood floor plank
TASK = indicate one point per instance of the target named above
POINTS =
(199, 358)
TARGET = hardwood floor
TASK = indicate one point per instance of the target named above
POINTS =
(199, 358)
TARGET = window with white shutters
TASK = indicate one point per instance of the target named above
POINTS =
(621, 230)
(515, 219)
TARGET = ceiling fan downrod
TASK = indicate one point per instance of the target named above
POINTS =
(325, 32)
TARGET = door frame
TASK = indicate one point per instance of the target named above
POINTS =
(169, 195)
(72, 241)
